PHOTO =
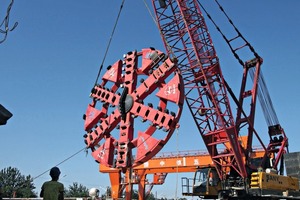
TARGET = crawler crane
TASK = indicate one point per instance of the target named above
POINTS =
(236, 170)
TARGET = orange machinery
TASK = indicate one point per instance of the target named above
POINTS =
(160, 166)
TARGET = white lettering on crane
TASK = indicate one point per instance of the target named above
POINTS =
(184, 161)
(171, 89)
(179, 162)
(101, 154)
(112, 72)
(144, 143)
(91, 114)
(146, 164)
(272, 178)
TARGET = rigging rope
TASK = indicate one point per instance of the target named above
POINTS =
(160, 32)
(5, 22)
(239, 33)
(60, 162)
(229, 40)
(265, 100)
(109, 42)
(263, 93)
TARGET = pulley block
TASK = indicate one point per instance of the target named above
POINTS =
(134, 110)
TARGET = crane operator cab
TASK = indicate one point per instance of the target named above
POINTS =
(206, 182)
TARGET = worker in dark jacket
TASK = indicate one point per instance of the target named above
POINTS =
(53, 190)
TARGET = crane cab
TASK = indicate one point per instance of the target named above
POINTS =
(205, 184)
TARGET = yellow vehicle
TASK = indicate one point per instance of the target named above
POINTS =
(272, 184)
(263, 185)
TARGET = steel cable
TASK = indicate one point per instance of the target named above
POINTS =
(109, 42)
(60, 162)
(5, 23)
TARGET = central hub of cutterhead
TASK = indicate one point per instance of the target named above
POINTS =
(125, 103)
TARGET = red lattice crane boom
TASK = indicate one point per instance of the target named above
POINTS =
(185, 34)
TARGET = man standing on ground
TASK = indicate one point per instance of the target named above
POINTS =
(53, 190)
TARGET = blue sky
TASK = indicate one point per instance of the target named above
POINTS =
(49, 64)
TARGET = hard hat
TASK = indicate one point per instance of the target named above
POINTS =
(54, 172)
(93, 192)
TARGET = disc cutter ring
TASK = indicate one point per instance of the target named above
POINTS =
(122, 130)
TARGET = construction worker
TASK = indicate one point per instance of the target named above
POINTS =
(53, 190)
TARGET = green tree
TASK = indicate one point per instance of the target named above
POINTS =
(107, 194)
(16, 185)
(77, 190)
(135, 194)
(150, 196)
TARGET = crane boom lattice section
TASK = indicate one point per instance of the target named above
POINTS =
(186, 36)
